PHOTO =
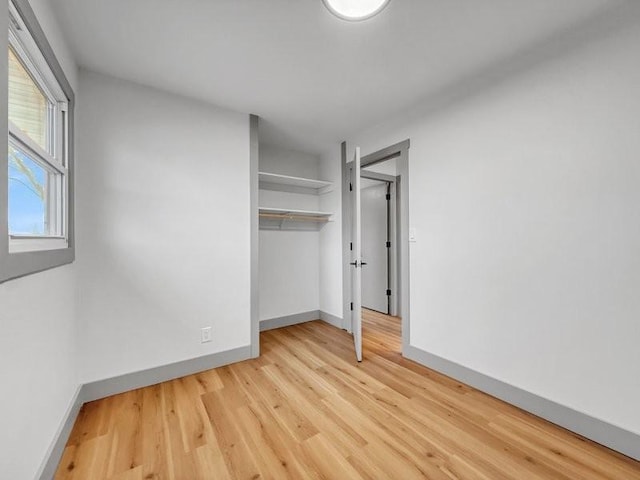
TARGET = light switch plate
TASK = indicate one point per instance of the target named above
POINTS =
(205, 335)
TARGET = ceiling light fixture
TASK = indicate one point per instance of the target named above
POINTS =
(355, 10)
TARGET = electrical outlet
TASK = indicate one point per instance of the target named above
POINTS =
(205, 335)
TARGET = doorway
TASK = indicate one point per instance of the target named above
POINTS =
(381, 330)
(375, 201)
(387, 167)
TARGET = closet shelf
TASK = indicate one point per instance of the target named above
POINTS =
(274, 181)
(284, 219)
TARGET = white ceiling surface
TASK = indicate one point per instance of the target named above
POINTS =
(313, 78)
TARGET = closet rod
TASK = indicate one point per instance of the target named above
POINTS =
(304, 218)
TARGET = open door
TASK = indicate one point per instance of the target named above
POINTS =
(356, 257)
(398, 157)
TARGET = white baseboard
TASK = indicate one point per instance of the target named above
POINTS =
(288, 320)
(54, 453)
(611, 436)
(331, 320)
(123, 383)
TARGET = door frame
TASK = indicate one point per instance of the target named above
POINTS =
(254, 287)
(391, 236)
(401, 152)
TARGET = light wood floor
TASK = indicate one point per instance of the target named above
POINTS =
(306, 409)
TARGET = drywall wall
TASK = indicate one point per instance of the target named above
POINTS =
(331, 297)
(289, 280)
(39, 366)
(289, 260)
(524, 198)
(162, 228)
(37, 313)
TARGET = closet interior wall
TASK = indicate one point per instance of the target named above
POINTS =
(289, 260)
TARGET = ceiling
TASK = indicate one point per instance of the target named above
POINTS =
(313, 78)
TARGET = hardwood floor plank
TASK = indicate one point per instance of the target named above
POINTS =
(126, 446)
(180, 465)
(291, 418)
(319, 453)
(192, 417)
(238, 457)
(324, 419)
(271, 464)
(209, 381)
(280, 443)
(154, 446)
(396, 439)
(307, 410)
(91, 423)
(211, 463)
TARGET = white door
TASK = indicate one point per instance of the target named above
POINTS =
(356, 257)
(375, 276)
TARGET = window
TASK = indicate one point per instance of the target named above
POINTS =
(38, 201)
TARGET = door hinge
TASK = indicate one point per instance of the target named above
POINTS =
(350, 245)
(388, 196)
(388, 293)
(350, 187)
(388, 244)
(351, 305)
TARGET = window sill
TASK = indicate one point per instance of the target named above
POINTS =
(19, 244)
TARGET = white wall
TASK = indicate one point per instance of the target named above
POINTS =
(289, 278)
(38, 368)
(525, 201)
(331, 235)
(38, 363)
(289, 260)
(162, 227)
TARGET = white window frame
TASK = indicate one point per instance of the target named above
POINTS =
(25, 254)
(54, 157)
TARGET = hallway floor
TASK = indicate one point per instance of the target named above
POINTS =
(307, 410)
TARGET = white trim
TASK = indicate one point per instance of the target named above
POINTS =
(55, 194)
(123, 383)
(143, 378)
(275, 181)
(332, 320)
(288, 320)
(28, 52)
(401, 151)
(27, 143)
(16, 265)
(25, 57)
(289, 211)
(53, 157)
(19, 244)
(51, 460)
(600, 431)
